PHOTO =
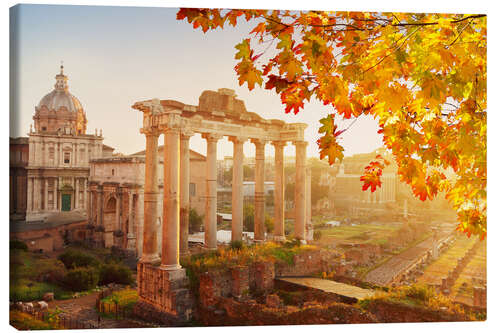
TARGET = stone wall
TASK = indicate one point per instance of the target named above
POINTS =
(163, 291)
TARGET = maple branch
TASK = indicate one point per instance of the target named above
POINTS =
(397, 48)
(459, 34)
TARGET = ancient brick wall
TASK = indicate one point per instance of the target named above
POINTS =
(164, 291)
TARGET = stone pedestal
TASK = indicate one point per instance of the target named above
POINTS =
(165, 291)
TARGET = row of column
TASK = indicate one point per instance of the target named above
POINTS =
(38, 194)
(76, 158)
(176, 194)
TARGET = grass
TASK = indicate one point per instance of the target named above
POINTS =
(437, 270)
(416, 295)
(226, 258)
(125, 298)
(476, 268)
(364, 233)
(33, 274)
(27, 271)
(24, 321)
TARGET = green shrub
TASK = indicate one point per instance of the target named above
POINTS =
(81, 278)
(115, 273)
(16, 244)
(236, 245)
(195, 221)
(74, 258)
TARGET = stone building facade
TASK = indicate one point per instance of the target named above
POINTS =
(19, 150)
(116, 198)
(59, 154)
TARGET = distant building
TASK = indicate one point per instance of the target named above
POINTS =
(59, 154)
(18, 177)
(49, 172)
(116, 188)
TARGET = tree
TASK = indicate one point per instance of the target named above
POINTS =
(421, 76)
(248, 217)
(195, 221)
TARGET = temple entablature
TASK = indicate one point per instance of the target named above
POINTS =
(217, 113)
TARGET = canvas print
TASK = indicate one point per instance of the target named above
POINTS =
(226, 167)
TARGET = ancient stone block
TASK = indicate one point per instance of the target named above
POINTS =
(273, 301)
(264, 276)
(240, 281)
(48, 297)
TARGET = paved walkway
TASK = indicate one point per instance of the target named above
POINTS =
(331, 287)
(384, 274)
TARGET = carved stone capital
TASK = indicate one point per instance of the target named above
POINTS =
(211, 137)
(279, 144)
(150, 132)
(300, 143)
(259, 143)
(238, 139)
(186, 133)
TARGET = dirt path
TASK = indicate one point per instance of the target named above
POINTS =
(83, 308)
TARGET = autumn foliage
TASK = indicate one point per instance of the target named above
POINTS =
(421, 76)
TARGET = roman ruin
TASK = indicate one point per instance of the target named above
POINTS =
(218, 114)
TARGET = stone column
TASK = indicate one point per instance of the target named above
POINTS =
(171, 200)
(211, 203)
(279, 192)
(309, 226)
(300, 189)
(36, 194)
(150, 242)
(77, 193)
(259, 225)
(184, 192)
(86, 153)
(118, 214)
(99, 205)
(237, 189)
(56, 193)
(85, 194)
(140, 221)
(131, 244)
(89, 206)
(29, 205)
(46, 194)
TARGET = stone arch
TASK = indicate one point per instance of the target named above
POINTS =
(109, 220)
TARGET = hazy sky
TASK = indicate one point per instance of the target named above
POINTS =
(115, 56)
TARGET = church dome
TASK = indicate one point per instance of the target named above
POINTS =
(60, 96)
(59, 110)
(57, 99)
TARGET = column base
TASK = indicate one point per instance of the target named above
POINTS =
(170, 267)
(279, 239)
(149, 259)
(163, 295)
(210, 248)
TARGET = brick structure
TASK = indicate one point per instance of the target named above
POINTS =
(164, 291)
(264, 276)
(240, 286)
